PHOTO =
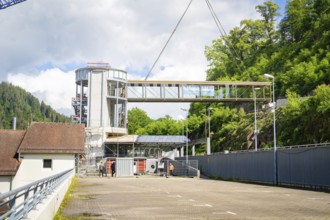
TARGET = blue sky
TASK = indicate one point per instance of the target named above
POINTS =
(282, 4)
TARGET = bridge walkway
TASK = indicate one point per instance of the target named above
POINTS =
(197, 91)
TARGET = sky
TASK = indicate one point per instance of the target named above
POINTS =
(42, 43)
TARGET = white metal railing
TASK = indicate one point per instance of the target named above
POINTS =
(16, 204)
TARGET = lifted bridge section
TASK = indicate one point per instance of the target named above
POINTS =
(197, 91)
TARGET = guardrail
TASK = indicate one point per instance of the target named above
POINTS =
(278, 148)
(16, 204)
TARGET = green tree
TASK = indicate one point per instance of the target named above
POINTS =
(234, 57)
(305, 120)
(137, 119)
(268, 12)
(162, 126)
(297, 54)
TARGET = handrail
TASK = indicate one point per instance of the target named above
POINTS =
(19, 202)
(278, 148)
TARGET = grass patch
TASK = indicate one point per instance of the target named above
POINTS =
(85, 196)
(58, 215)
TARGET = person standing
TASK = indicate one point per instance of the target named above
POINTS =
(104, 169)
(101, 169)
(113, 168)
(171, 169)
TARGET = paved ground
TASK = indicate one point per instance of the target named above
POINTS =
(187, 198)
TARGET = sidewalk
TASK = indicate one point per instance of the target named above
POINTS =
(190, 198)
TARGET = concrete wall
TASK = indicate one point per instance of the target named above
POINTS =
(48, 208)
(31, 168)
(5, 182)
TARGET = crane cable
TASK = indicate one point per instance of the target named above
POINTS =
(222, 31)
(218, 24)
(216, 20)
(177, 25)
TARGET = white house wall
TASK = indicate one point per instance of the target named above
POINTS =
(31, 168)
(5, 182)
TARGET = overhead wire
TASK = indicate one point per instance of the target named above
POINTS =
(222, 31)
(216, 20)
(219, 26)
(161, 52)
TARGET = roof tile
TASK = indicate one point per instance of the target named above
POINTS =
(9, 143)
(54, 138)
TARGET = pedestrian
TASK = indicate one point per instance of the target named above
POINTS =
(101, 169)
(113, 168)
(171, 169)
(105, 169)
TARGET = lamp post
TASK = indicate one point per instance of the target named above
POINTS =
(208, 141)
(186, 110)
(274, 107)
(256, 132)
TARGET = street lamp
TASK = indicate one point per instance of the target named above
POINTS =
(186, 110)
(274, 107)
(256, 132)
(208, 141)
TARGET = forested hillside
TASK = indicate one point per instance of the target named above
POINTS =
(16, 102)
(296, 53)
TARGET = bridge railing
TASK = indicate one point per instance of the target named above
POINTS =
(16, 204)
(197, 91)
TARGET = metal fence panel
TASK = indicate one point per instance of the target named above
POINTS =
(245, 166)
(190, 170)
(308, 167)
(124, 167)
(181, 168)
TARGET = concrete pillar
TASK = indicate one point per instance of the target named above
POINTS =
(193, 150)
(208, 146)
(181, 152)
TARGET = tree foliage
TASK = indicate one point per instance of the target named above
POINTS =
(137, 119)
(296, 53)
(16, 102)
(162, 126)
(306, 120)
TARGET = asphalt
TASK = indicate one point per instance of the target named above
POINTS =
(190, 198)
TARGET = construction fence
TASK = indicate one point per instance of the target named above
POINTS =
(187, 168)
(303, 166)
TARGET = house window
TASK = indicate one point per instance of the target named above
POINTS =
(47, 163)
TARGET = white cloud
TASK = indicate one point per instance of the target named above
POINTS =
(54, 87)
(126, 33)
